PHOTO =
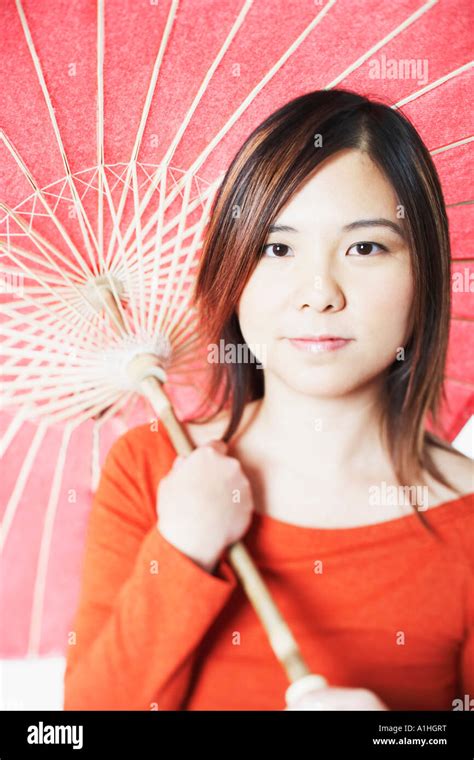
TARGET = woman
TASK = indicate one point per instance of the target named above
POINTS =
(327, 254)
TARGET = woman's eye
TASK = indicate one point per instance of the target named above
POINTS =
(276, 250)
(366, 249)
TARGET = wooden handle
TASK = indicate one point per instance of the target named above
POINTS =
(142, 369)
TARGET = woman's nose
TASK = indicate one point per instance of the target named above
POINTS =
(320, 291)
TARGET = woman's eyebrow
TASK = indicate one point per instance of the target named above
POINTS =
(381, 222)
(280, 228)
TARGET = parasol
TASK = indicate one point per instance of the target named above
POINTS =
(113, 145)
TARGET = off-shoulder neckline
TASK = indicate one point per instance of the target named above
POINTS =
(437, 512)
(271, 530)
(269, 538)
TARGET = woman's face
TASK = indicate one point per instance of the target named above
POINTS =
(341, 271)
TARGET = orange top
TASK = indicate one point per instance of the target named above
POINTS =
(385, 606)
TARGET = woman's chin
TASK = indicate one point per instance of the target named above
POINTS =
(332, 385)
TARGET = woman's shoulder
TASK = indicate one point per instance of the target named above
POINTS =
(452, 508)
(151, 440)
(457, 469)
(143, 446)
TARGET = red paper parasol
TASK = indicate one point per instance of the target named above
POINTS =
(118, 123)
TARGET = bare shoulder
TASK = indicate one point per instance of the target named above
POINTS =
(457, 468)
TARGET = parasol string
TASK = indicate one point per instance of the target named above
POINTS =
(40, 194)
(84, 223)
(146, 107)
(83, 219)
(170, 152)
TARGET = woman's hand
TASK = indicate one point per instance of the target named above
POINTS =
(336, 698)
(204, 503)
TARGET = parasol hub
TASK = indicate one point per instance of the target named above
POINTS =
(132, 357)
(144, 365)
(99, 291)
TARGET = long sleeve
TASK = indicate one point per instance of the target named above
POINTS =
(144, 606)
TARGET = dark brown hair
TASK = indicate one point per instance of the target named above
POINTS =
(267, 170)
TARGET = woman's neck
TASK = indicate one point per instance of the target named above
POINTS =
(339, 433)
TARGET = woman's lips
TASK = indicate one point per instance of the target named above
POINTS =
(319, 345)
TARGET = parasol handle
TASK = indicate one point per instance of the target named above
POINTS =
(142, 369)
